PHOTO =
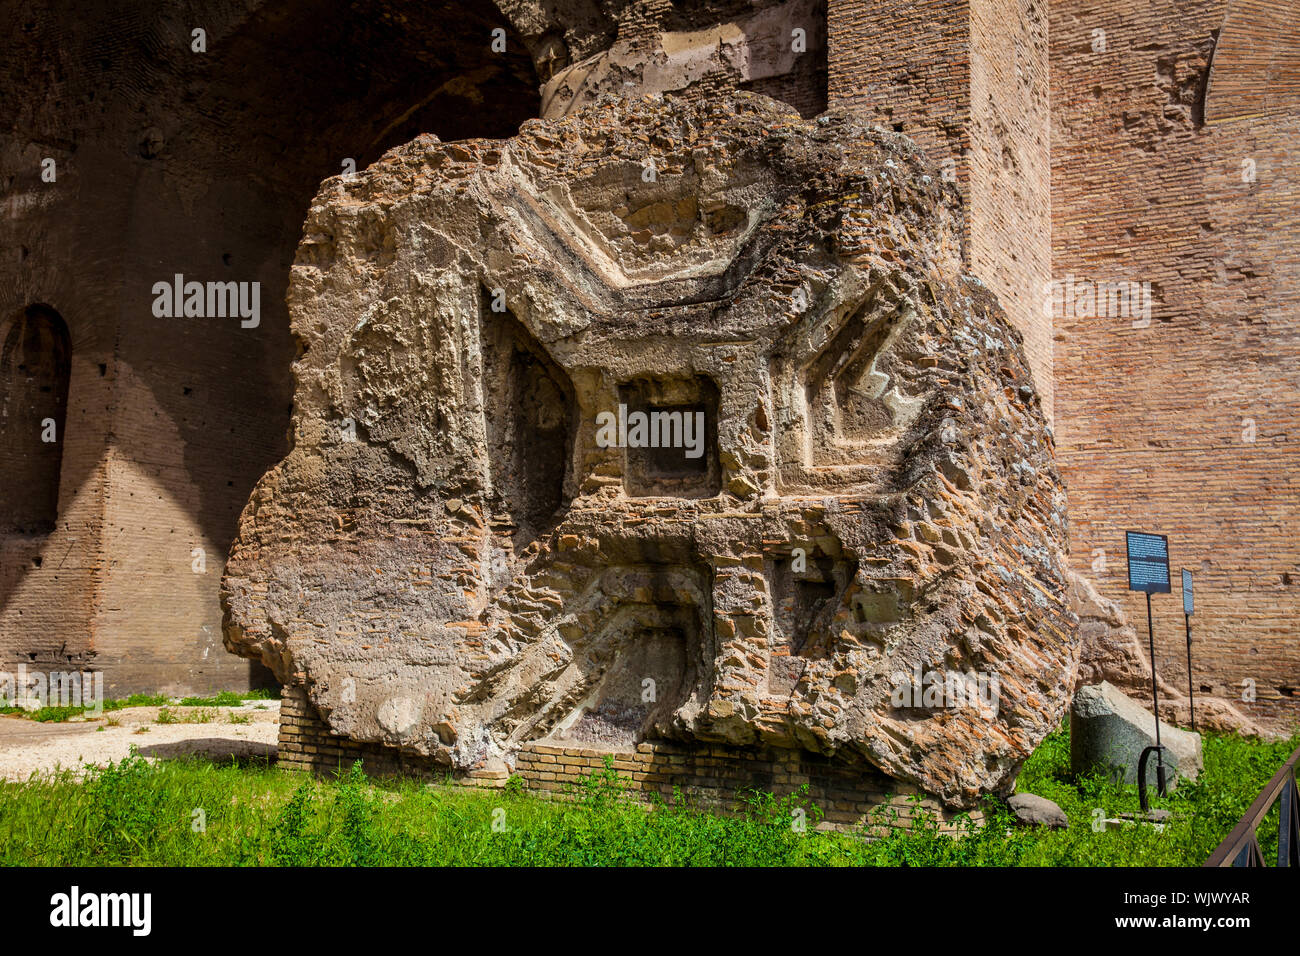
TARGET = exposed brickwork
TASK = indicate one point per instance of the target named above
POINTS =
(307, 744)
(805, 91)
(1152, 422)
(1256, 61)
(907, 64)
(848, 794)
(969, 83)
(172, 162)
(695, 51)
(1010, 169)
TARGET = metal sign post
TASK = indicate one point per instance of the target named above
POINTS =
(1187, 622)
(1148, 571)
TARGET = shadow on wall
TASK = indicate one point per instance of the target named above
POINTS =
(280, 106)
(199, 164)
(35, 364)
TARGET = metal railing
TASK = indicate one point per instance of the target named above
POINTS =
(1241, 848)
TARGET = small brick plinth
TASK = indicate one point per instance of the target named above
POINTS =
(848, 794)
(306, 743)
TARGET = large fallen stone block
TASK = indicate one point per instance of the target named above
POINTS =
(1110, 650)
(665, 420)
(1109, 731)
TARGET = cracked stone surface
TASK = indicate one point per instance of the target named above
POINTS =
(452, 564)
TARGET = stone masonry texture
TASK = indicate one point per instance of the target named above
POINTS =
(847, 795)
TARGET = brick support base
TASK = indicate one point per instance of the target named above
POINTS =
(848, 794)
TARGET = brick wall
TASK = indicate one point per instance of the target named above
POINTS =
(172, 162)
(691, 50)
(1010, 170)
(969, 83)
(306, 744)
(712, 776)
(906, 63)
(166, 431)
(1186, 427)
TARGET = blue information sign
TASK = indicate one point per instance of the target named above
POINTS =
(1148, 562)
(1187, 593)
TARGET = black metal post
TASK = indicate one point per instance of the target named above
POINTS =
(1155, 701)
(1191, 699)
(1288, 840)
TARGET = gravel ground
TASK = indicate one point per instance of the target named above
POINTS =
(28, 747)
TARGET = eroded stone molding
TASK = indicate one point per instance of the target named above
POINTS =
(583, 50)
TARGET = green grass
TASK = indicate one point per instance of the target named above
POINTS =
(199, 715)
(228, 698)
(1204, 812)
(196, 812)
(60, 714)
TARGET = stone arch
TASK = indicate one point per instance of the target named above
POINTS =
(35, 366)
(290, 94)
(350, 83)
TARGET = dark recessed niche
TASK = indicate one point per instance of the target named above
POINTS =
(798, 600)
(675, 453)
(35, 367)
(529, 407)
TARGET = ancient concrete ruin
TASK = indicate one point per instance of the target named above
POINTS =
(1146, 146)
(453, 562)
